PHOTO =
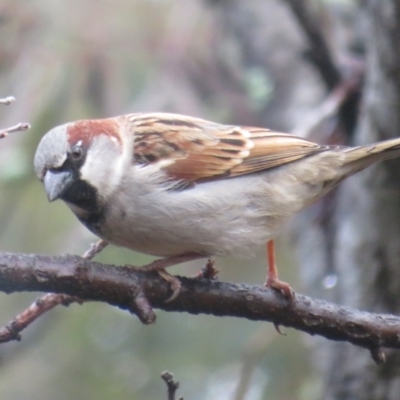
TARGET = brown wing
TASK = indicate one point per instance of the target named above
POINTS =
(193, 149)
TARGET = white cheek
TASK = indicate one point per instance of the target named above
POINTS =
(104, 165)
(91, 168)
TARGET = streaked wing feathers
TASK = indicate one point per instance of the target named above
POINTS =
(193, 149)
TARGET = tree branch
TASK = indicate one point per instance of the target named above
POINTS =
(138, 292)
(319, 52)
(328, 108)
(321, 56)
(45, 303)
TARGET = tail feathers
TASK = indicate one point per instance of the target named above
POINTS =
(358, 158)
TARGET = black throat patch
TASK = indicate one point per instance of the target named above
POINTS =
(85, 196)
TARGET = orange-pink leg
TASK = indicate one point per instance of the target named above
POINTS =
(272, 277)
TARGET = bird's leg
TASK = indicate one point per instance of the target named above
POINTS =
(160, 266)
(272, 277)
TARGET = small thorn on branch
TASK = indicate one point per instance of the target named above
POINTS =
(172, 385)
(143, 309)
(7, 101)
(23, 126)
(208, 271)
(378, 355)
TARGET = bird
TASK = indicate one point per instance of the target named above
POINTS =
(183, 188)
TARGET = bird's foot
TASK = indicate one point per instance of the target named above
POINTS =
(160, 266)
(174, 282)
(282, 287)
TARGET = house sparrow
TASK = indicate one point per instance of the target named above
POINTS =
(183, 188)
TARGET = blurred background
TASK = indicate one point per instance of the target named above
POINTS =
(237, 62)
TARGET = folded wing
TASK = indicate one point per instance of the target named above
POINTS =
(193, 149)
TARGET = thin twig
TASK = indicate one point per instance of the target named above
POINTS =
(172, 385)
(7, 100)
(94, 249)
(22, 126)
(45, 303)
(12, 331)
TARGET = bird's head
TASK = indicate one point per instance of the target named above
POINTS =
(79, 162)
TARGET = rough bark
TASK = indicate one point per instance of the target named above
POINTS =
(79, 280)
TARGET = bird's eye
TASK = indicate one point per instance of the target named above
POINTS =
(76, 153)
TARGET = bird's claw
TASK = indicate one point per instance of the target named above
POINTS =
(174, 282)
(282, 287)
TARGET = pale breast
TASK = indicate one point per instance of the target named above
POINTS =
(228, 216)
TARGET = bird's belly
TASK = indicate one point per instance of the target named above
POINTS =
(189, 234)
(155, 245)
(234, 221)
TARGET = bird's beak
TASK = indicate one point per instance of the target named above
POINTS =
(57, 183)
